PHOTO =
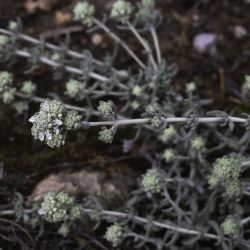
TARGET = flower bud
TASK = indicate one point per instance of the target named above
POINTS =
(168, 134)
(198, 143)
(137, 90)
(168, 155)
(153, 109)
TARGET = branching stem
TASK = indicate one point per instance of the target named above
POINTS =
(143, 43)
(118, 40)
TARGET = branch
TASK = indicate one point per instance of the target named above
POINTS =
(119, 41)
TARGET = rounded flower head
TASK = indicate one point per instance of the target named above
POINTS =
(7, 91)
(145, 11)
(168, 134)
(168, 155)
(114, 235)
(28, 88)
(75, 89)
(72, 120)
(51, 123)
(106, 135)
(121, 10)
(198, 143)
(231, 226)
(106, 109)
(84, 12)
(227, 168)
(54, 207)
(234, 189)
(75, 212)
(152, 181)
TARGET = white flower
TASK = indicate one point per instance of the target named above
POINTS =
(33, 119)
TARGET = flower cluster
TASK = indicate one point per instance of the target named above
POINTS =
(28, 88)
(106, 135)
(137, 90)
(58, 207)
(226, 172)
(168, 134)
(169, 155)
(231, 226)
(106, 109)
(122, 10)
(84, 12)
(51, 123)
(114, 235)
(75, 89)
(152, 181)
(198, 143)
(154, 111)
(7, 91)
(145, 10)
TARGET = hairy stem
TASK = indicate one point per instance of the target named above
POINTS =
(137, 219)
(143, 43)
(70, 69)
(156, 43)
(120, 41)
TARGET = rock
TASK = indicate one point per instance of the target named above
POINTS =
(107, 182)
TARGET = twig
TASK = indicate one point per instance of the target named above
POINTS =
(143, 43)
(137, 219)
(50, 46)
(156, 43)
(119, 41)
(70, 69)
(202, 120)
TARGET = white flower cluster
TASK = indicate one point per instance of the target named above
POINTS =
(122, 10)
(58, 207)
(114, 235)
(28, 88)
(51, 123)
(75, 89)
(7, 91)
(84, 12)
(152, 181)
